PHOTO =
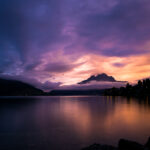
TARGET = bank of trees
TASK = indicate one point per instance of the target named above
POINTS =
(142, 88)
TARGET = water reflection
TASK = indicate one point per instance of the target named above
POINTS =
(72, 122)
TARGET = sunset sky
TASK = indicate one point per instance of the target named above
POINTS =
(62, 42)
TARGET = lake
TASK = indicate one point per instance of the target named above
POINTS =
(70, 123)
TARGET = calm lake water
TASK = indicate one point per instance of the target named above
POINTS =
(70, 123)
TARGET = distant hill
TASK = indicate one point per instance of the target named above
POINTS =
(99, 77)
(17, 88)
(10, 87)
(75, 92)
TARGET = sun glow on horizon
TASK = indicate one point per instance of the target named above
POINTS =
(129, 69)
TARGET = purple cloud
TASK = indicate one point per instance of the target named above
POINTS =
(32, 29)
(93, 85)
(119, 64)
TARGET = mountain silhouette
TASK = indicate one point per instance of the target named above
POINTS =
(99, 77)
(17, 88)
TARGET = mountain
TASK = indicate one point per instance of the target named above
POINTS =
(99, 77)
(10, 87)
(17, 88)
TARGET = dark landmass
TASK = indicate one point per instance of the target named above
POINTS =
(75, 92)
(100, 78)
(18, 88)
(122, 145)
(141, 89)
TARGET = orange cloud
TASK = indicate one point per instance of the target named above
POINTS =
(130, 69)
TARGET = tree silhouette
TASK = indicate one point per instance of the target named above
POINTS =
(142, 88)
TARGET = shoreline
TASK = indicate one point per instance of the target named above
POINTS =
(123, 144)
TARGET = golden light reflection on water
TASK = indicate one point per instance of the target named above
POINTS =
(115, 117)
(77, 114)
(73, 122)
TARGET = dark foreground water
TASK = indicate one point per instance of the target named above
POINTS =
(69, 123)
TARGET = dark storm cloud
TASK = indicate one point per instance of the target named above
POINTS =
(60, 67)
(28, 26)
(127, 24)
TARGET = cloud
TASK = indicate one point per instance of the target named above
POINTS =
(48, 86)
(118, 65)
(125, 27)
(66, 41)
(93, 85)
(29, 28)
(59, 67)
(121, 68)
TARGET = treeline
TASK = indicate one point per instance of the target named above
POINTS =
(141, 89)
(75, 92)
